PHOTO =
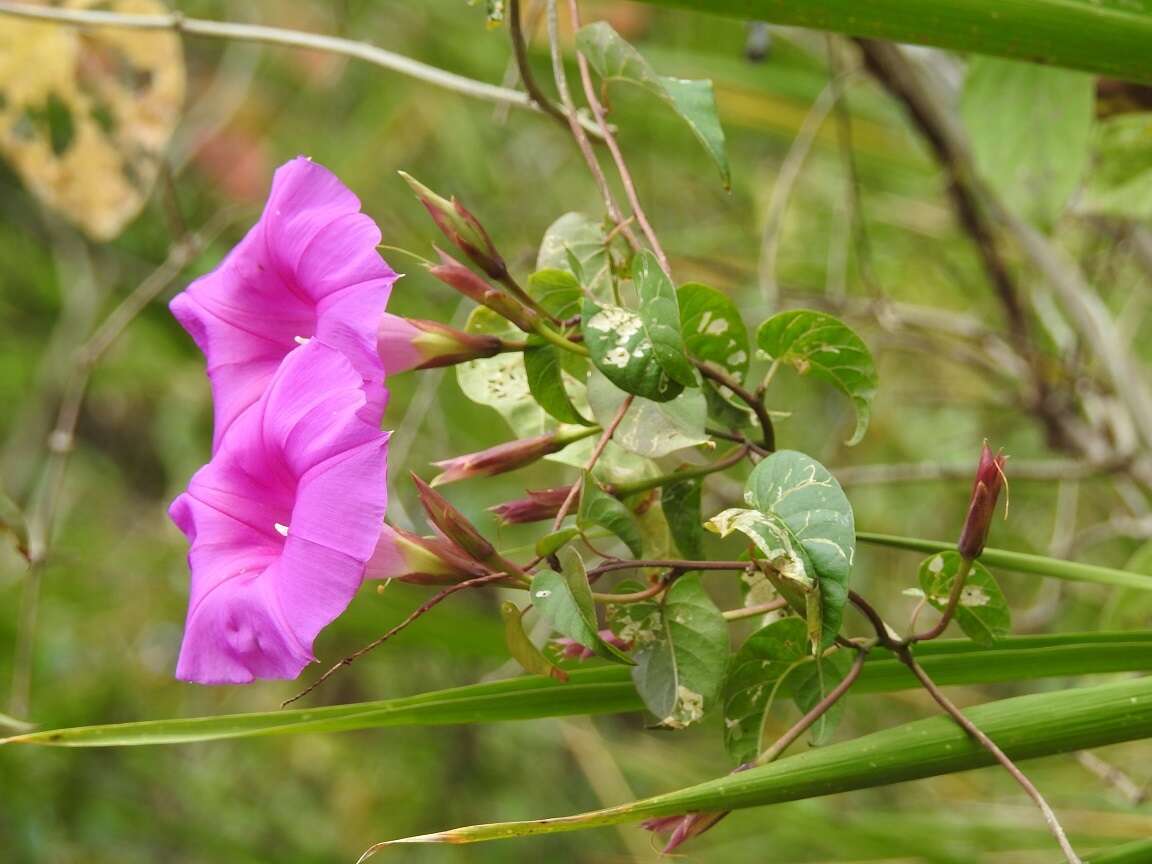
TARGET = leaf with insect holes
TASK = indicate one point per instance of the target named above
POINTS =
(565, 599)
(577, 244)
(597, 507)
(983, 612)
(713, 329)
(615, 60)
(85, 115)
(682, 510)
(545, 374)
(660, 313)
(620, 347)
(651, 429)
(680, 646)
(823, 346)
(522, 649)
(501, 382)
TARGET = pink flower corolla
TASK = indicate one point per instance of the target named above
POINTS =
(282, 522)
(308, 269)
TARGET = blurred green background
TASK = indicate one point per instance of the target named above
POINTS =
(114, 589)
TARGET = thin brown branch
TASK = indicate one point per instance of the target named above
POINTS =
(815, 713)
(614, 148)
(666, 564)
(1050, 818)
(597, 452)
(582, 140)
(756, 404)
(527, 78)
(413, 616)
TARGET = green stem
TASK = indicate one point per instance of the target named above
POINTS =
(623, 490)
(560, 341)
(1020, 562)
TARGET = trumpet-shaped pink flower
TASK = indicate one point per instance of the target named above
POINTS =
(282, 522)
(308, 269)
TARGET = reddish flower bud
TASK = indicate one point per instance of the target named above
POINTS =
(452, 524)
(454, 274)
(540, 504)
(505, 457)
(464, 230)
(573, 650)
(409, 557)
(412, 343)
(681, 829)
(982, 506)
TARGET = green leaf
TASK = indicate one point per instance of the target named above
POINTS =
(549, 543)
(597, 507)
(1024, 727)
(580, 238)
(768, 658)
(565, 599)
(620, 347)
(1120, 182)
(983, 612)
(1030, 128)
(816, 680)
(660, 314)
(651, 429)
(1110, 37)
(614, 59)
(609, 690)
(713, 329)
(501, 382)
(1022, 562)
(823, 346)
(557, 291)
(1137, 852)
(521, 648)
(542, 367)
(803, 526)
(680, 648)
(681, 502)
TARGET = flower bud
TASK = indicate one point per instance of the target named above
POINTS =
(681, 829)
(452, 524)
(540, 504)
(505, 457)
(454, 274)
(462, 228)
(409, 557)
(412, 343)
(982, 506)
(570, 649)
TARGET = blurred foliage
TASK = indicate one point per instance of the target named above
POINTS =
(113, 594)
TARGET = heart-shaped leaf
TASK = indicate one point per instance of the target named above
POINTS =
(818, 344)
(565, 599)
(621, 348)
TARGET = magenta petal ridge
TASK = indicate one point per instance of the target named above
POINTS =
(282, 521)
(308, 269)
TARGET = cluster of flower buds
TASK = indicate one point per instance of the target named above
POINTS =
(570, 649)
(455, 275)
(982, 505)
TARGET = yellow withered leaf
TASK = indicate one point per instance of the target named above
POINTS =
(85, 114)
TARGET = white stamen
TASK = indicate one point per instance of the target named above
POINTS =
(301, 340)
(282, 530)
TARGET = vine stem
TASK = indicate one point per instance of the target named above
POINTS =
(373, 54)
(949, 611)
(597, 452)
(614, 148)
(755, 611)
(756, 404)
(734, 456)
(416, 613)
(816, 712)
(520, 51)
(972, 729)
(579, 133)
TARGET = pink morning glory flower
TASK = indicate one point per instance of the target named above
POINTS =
(308, 269)
(282, 521)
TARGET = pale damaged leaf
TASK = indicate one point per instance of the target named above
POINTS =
(983, 613)
(85, 114)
